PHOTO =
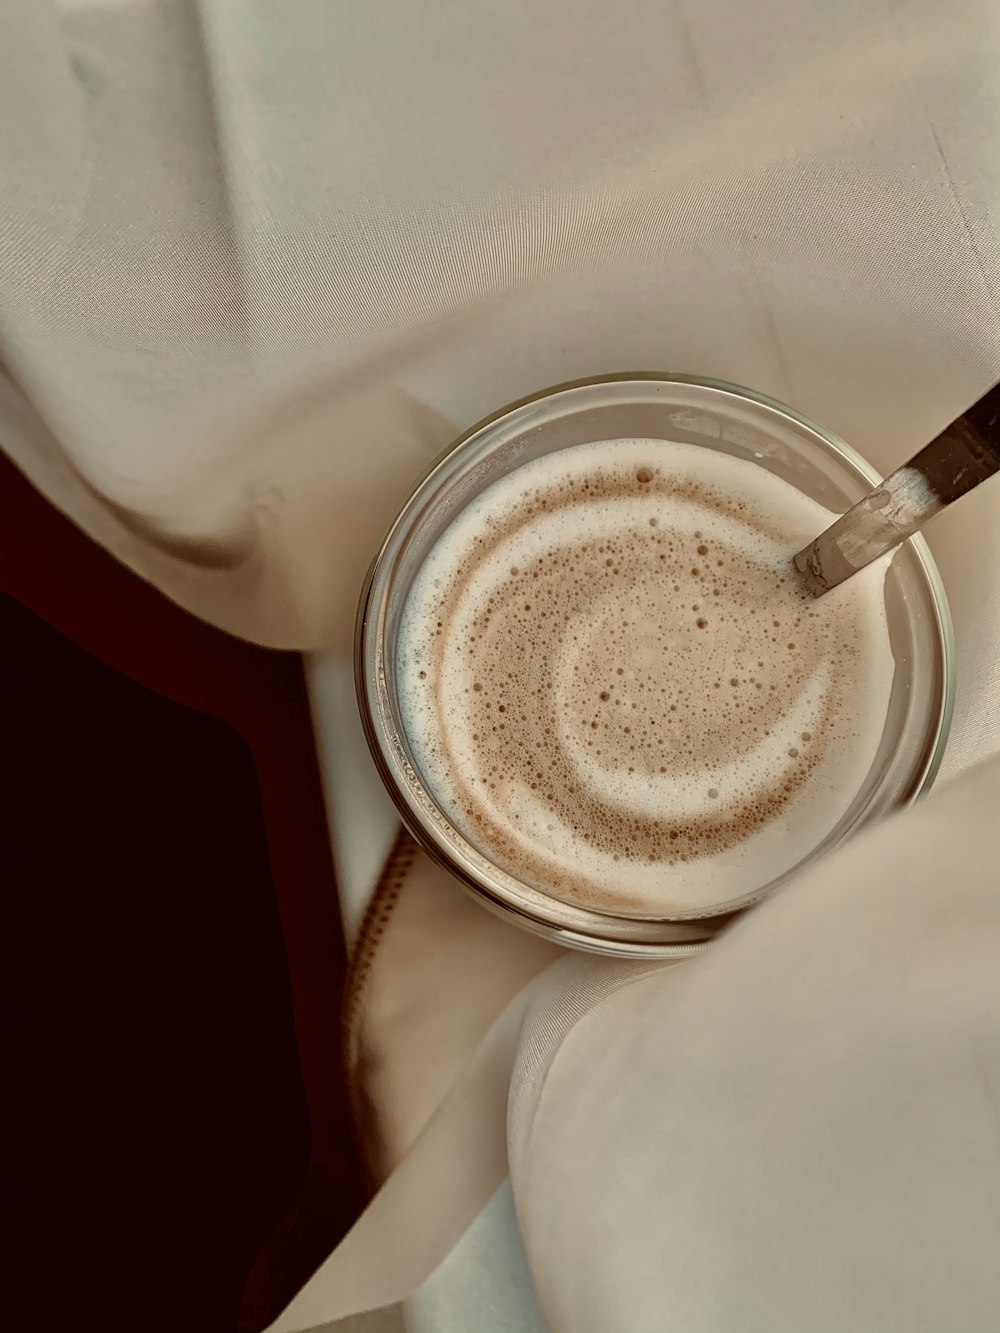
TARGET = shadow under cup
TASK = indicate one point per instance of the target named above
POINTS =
(715, 416)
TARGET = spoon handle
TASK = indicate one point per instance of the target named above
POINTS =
(955, 462)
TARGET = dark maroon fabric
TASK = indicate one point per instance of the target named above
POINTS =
(182, 1155)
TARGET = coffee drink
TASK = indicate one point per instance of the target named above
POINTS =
(613, 686)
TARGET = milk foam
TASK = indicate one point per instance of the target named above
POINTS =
(614, 687)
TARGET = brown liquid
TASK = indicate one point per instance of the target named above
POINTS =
(604, 666)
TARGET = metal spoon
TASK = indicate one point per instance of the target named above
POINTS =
(964, 455)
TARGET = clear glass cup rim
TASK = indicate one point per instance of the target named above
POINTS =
(578, 927)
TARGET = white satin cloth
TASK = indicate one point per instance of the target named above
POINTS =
(257, 265)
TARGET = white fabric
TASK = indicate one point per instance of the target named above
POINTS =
(256, 264)
(363, 820)
(799, 1129)
(232, 242)
(483, 1283)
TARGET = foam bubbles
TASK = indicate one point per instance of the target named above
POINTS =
(614, 689)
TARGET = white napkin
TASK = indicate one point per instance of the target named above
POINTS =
(799, 1128)
(244, 255)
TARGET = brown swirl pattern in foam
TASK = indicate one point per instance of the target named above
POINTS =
(691, 653)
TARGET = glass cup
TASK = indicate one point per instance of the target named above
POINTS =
(712, 415)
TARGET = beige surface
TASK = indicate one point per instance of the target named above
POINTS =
(254, 271)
